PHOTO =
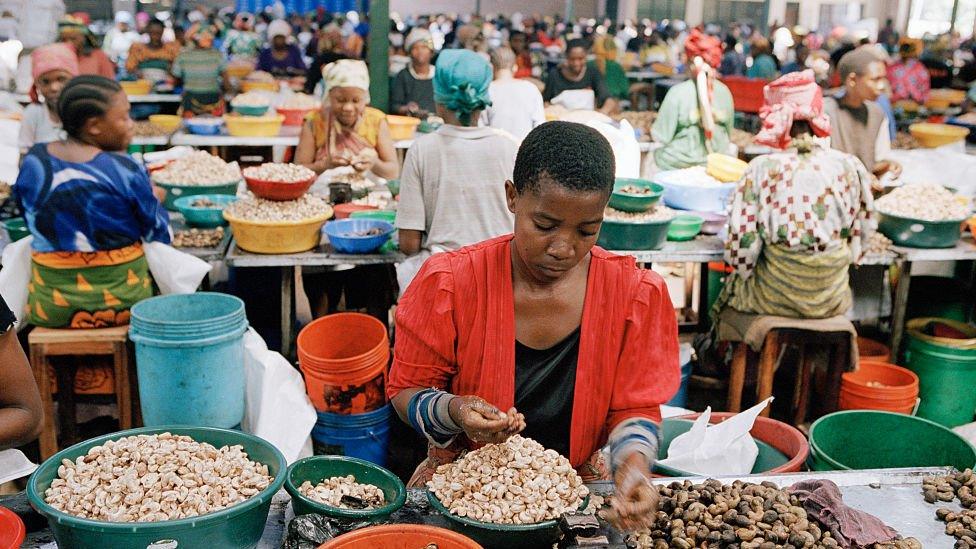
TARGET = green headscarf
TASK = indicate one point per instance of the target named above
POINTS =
(461, 82)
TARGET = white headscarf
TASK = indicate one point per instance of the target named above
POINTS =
(279, 27)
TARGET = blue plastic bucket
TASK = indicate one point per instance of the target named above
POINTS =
(364, 436)
(194, 316)
(680, 399)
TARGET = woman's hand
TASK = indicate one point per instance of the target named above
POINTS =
(635, 502)
(887, 167)
(364, 161)
(483, 422)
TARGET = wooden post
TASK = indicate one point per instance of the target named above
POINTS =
(378, 56)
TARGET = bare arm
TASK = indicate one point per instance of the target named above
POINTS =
(410, 241)
(387, 164)
(21, 413)
(305, 152)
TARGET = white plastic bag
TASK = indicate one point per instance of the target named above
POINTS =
(576, 100)
(15, 276)
(276, 407)
(175, 272)
(722, 449)
(14, 465)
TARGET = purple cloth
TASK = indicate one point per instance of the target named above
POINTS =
(291, 65)
(851, 528)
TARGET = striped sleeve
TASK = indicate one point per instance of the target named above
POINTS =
(428, 414)
(633, 435)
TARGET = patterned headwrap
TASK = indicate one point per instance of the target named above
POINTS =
(201, 35)
(52, 57)
(795, 96)
(344, 73)
(709, 48)
(461, 81)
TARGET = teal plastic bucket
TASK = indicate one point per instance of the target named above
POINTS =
(198, 382)
(364, 436)
(199, 315)
(680, 399)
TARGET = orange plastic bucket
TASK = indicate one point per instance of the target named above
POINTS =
(870, 350)
(357, 397)
(401, 536)
(879, 386)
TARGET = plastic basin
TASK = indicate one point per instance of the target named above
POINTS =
(502, 536)
(257, 85)
(402, 127)
(294, 117)
(315, 469)
(277, 190)
(12, 529)
(278, 237)
(383, 215)
(628, 235)
(343, 211)
(175, 192)
(685, 227)
(166, 122)
(344, 235)
(16, 228)
(204, 125)
(250, 110)
(401, 536)
(204, 216)
(136, 87)
(897, 392)
(870, 350)
(628, 202)
(850, 440)
(239, 526)
(935, 135)
(699, 198)
(916, 233)
(253, 126)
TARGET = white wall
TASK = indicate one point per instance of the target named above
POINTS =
(582, 8)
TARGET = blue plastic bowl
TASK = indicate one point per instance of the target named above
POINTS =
(208, 217)
(699, 198)
(971, 138)
(204, 128)
(342, 234)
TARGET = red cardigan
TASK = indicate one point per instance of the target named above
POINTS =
(455, 330)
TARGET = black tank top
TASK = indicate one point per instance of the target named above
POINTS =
(544, 385)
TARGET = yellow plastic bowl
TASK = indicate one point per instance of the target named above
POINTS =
(239, 70)
(937, 104)
(953, 97)
(259, 86)
(253, 126)
(136, 87)
(725, 168)
(936, 135)
(278, 237)
(166, 122)
(402, 127)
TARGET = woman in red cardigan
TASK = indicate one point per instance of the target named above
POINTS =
(579, 346)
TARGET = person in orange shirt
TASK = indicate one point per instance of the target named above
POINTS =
(91, 59)
(541, 332)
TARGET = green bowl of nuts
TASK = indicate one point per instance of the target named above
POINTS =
(918, 233)
(635, 195)
(327, 475)
(238, 525)
(174, 192)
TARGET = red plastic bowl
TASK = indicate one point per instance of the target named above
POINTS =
(343, 211)
(294, 117)
(12, 530)
(275, 190)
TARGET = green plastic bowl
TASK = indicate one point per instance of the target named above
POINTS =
(250, 110)
(241, 525)
(685, 227)
(318, 468)
(16, 228)
(204, 217)
(383, 215)
(849, 440)
(634, 203)
(769, 458)
(628, 235)
(915, 233)
(174, 192)
(502, 536)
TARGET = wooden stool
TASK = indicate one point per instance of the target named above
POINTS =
(838, 343)
(46, 342)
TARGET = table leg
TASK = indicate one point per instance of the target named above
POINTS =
(49, 437)
(287, 286)
(704, 321)
(899, 307)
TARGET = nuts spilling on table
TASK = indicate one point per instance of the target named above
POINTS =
(198, 168)
(925, 202)
(152, 478)
(198, 238)
(300, 101)
(344, 493)
(657, 213)
(250, 99)
(252, 208)
(515, 482)
(280, 173)
(948, 488)
(961, 525)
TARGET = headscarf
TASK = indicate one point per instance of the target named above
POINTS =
(279, 27)
(201, 35)
(418, 35)
(52, 57)
(461, 80)
(123, 17)
(709, 48)
(911, 46)
(792, 97)
(343, 73)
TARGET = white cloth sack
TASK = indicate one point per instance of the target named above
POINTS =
(576, 100)
(276, 406)
(14, 465)
(175, 272)
(722, 449)
(948, 165)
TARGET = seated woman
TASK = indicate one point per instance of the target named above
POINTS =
(91, 58)
(153, 60)
(199, 69)
(242, 44)
(347, 131)
(763, 63)
(89, 208)
(413, 87)
(791, 239)
(605, 50)
(578, 346)
(908, 77)
(282, 58)
(697, 115)
(52, 66)
(573, 75)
